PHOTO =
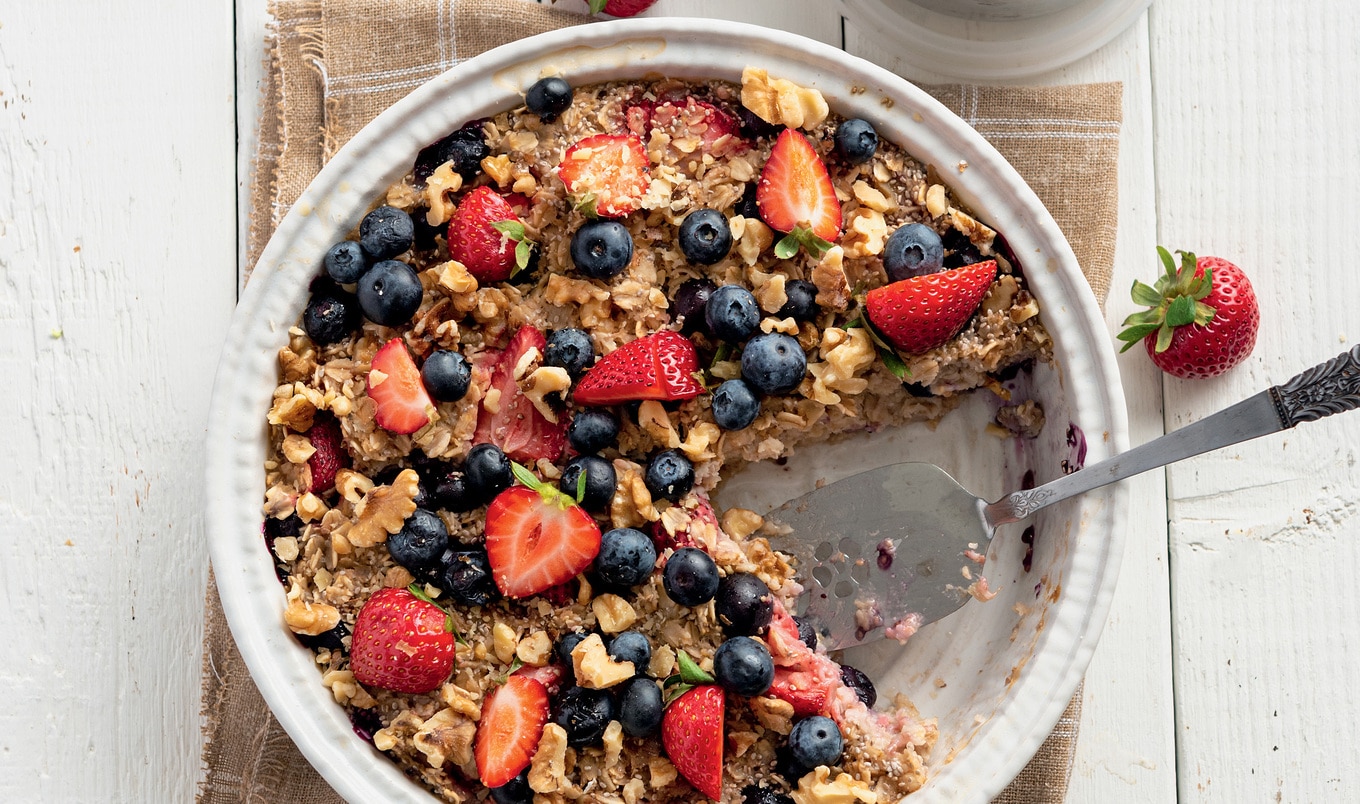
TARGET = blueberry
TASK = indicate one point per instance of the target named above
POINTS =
(332, 639)
(691, 577)
(290, 525)
(688, 305)
(566, 644)
(917, 390)
(748, 207)
(755, 126)
(366, 722)
(592, 430)
(732, 314)
(631, 646)
(860, 683)
(802, 301)
(390, 293)
(816, 741)
(584, 714)
(465, 148)
(425, 231)
(743, 666)
(755, 794)
(420, 543)
(806, 632)
(601, 249)
(450, 491)
(856, 140)
(515, 791)
(959, 250)
(600, 481)
(773, 363)
(466, 577)
(386, 232)
(640, 707)
(345, 262)
(670, 475)
(705, 237)
(571, 349)
(330, 318)
(548, 97)
(735, 405)
(626, 558)
(913, 250)
(446, 375)
(745, 604)
(487, 471)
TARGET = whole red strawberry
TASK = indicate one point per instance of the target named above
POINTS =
(923, 312)
(1203, 317)
(620, 8)
(487, 237)
(330, 456)
(401, 643)
(692, 733)
(657, 366)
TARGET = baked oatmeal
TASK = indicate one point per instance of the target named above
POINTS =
(513, 388)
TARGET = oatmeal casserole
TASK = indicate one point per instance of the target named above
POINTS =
(513, 387)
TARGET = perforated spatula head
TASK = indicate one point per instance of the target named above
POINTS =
(884, 551)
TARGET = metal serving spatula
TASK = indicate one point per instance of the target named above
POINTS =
(892, 546)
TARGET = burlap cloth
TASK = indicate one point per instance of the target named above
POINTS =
(335, 64)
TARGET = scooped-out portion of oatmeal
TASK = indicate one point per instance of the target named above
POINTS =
(501, 414)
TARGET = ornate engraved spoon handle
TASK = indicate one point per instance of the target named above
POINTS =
(1328, 388)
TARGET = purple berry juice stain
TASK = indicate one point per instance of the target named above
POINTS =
(1027, 539)
(1076, 442)
(886, 553)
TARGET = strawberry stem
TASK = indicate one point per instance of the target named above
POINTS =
(804, 238)
(550, 495)
(1174, 301)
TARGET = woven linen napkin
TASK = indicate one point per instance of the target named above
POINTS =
(335, 64)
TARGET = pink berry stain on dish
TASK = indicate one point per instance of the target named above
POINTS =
(524, 373)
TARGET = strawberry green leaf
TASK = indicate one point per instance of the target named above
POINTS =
(1133, 335)
(1180, 312)
(523, 250)
(1164, 334)
(580, 487)
(690, 672)
(894, 363)
(525, 477)
(596, 6)
(585, 204)
(1145, 294)
(511, 229)
(1167, 262)
(515, 664)
(803, 238)
(786, 247)
(1203, 313)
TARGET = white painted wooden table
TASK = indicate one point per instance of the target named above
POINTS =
(1226, 670)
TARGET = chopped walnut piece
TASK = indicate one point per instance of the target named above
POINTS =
(741, 522)
(384, 510)
(312, 619)
(444, 182)
(446, 737)
(937, 200)
(594, 669)
(310, 507)
(779, 101)
(498, 168)
(548, 770)
(818, 788)
(773, 714)
(833, 288)
(346, 690)
(613, 613)
(503, 642)
(662, 772)
(296, 448)
(535, 649)
(352, 485)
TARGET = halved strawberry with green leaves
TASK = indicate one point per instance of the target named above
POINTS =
(795, 196)
(692, 734)
(402, 642)
(657, 366)
(607, 174)
(923, 312)
(394, 385)
(537, 537)
(512, 422)
(487, 237)
(513, 716)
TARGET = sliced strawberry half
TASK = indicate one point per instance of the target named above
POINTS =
(330, 456)
(394, 385)
(923, 312)
(487, 237)
(795, 196)
(537, 537)
(692, 733)
(689, 533)
(607, 172)
(549, 675)
(717, 128)
(657, 366)
(513, 716)
(803, 690)
(512, 422)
